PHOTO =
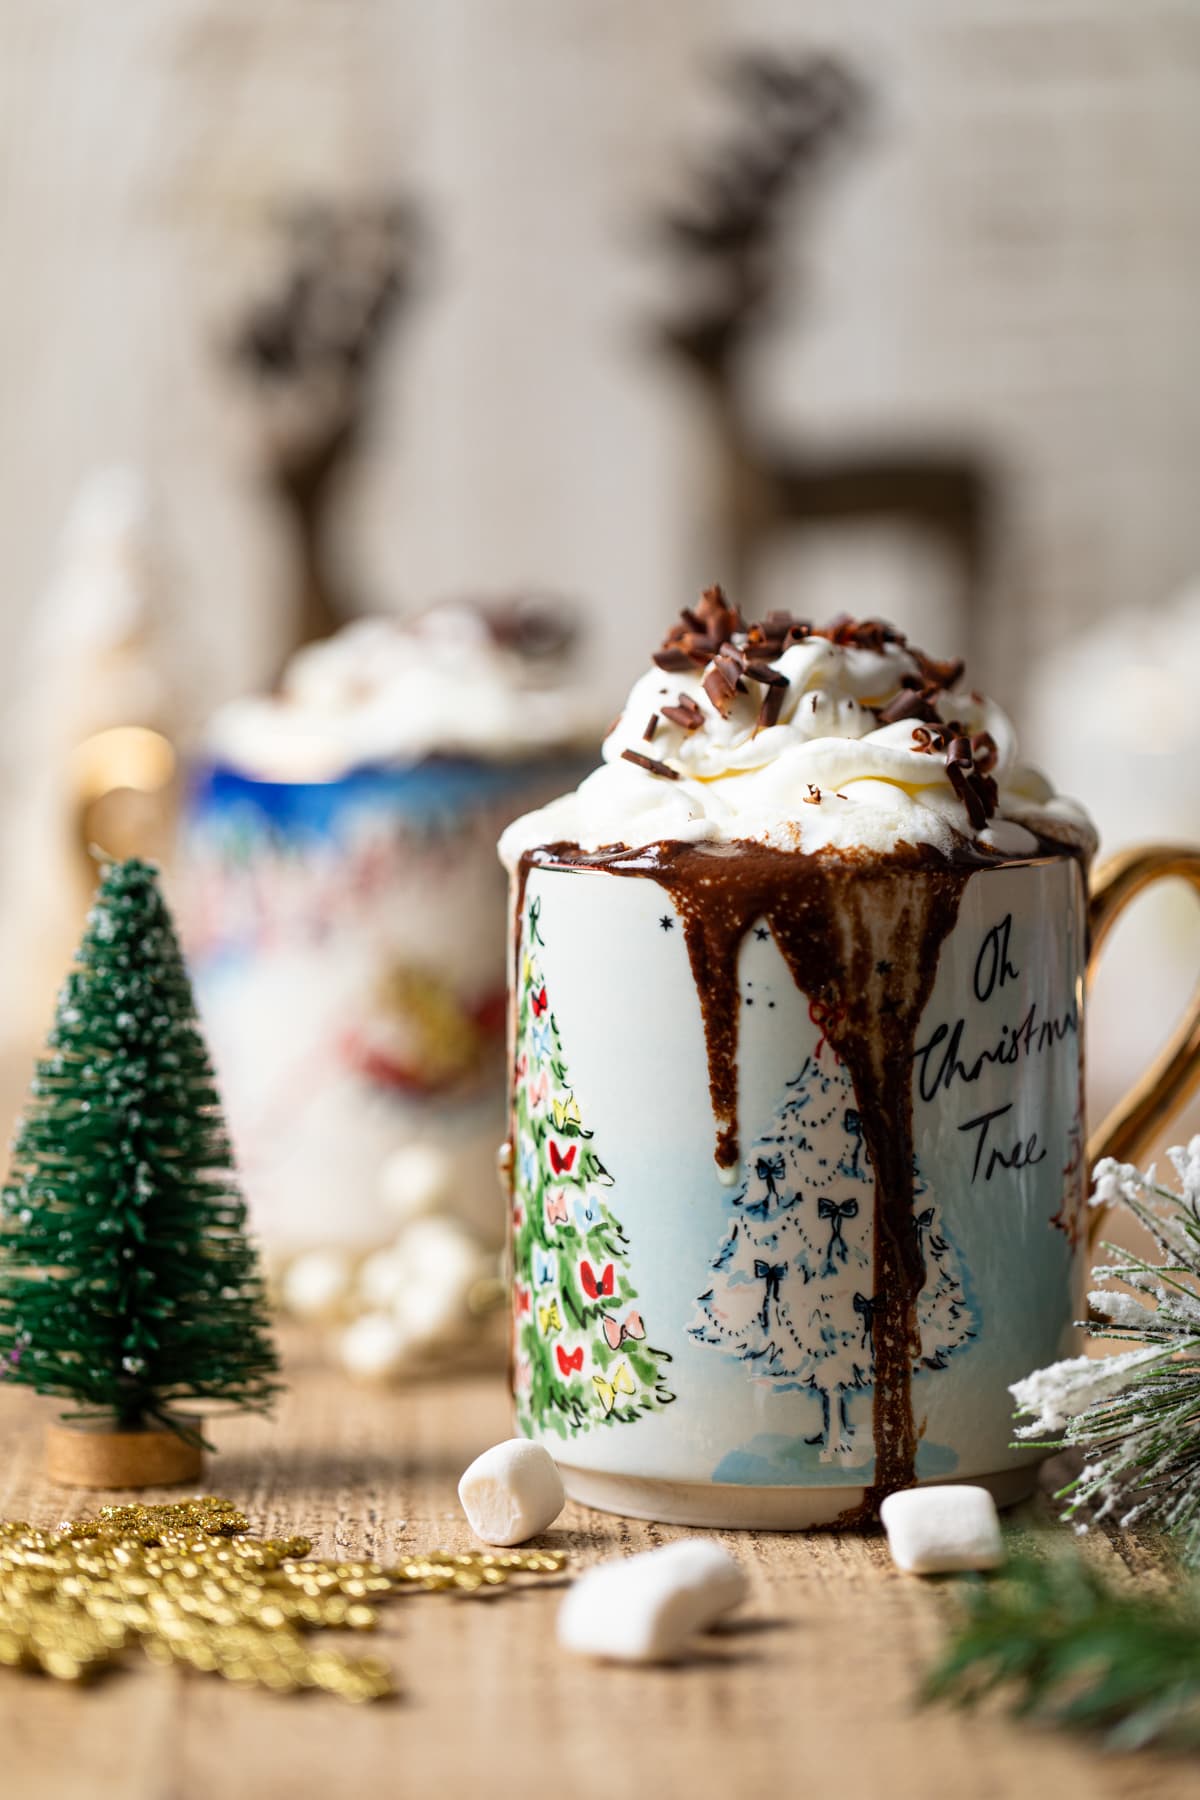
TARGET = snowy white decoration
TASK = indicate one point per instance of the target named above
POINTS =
(417, 1179)
(512, 1493)
(380, 1278)
(409, 1305)
(647, 1608)
(1136, 1416)
(439, 1250)
(425, 1279)
(315, 1285)
(432, 1316)
(792, 1284)
(97, 657)
(934, 1530)
(373, 1346)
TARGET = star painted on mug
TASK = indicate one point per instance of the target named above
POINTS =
(883, 968)
(761, 933)
(667, 922)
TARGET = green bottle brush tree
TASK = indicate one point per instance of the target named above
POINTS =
(128, 1284)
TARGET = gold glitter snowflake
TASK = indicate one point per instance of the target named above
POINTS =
(189, 1585)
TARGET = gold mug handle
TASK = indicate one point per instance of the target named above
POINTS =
(1174, 1075)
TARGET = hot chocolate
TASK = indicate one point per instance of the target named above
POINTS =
(832, 791)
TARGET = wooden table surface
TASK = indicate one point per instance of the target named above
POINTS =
(812, 1694)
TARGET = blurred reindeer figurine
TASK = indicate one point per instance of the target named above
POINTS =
(725, 244)
(313, 350)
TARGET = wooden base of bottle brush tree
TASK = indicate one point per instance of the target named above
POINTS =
(95, 1456)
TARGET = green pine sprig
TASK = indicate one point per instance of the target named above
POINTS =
(1061, 1645)
(1135, 1416)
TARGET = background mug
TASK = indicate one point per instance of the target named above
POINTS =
(347, 941)
(776, 1337)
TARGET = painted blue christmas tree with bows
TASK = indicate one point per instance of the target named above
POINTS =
(791, 1290)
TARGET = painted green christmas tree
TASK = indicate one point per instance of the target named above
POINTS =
(580, 1352)
(127, 1281)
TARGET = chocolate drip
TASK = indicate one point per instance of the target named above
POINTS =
(873, 957)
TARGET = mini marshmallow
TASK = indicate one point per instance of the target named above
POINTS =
(645, 1608)
(512, 1492)
(933, 1530)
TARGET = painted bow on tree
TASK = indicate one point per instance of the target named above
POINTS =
(824, 1015)
(616, 1333)
(769, 1170)
(836, 1212)
(772, 1274)
(864, 1305)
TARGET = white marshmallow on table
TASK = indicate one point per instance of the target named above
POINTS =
(646, 1608)
(512, 1492)
(935, 1530)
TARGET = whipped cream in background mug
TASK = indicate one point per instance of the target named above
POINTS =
(344, 916)
(797, 1141)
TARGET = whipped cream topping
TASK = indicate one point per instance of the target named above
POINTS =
(838, 738)
(460, 680)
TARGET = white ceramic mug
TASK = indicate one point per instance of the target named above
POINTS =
(704, 1344)
(347, 941)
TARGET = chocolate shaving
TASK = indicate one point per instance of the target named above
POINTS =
(937, 674)
(984, 751)
(839, 630)
(651, 728)
(686, 713)
(700, 632)
(712, 636)
(769, 677)
(651, 764)
(976, 789)
(909, 703)
(674, 661)
(976, 811)
(720, 685)
(772, 706)
(859, 634)
(813, 796)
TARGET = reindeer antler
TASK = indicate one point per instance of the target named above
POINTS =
(312, 349)
(797, 109)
